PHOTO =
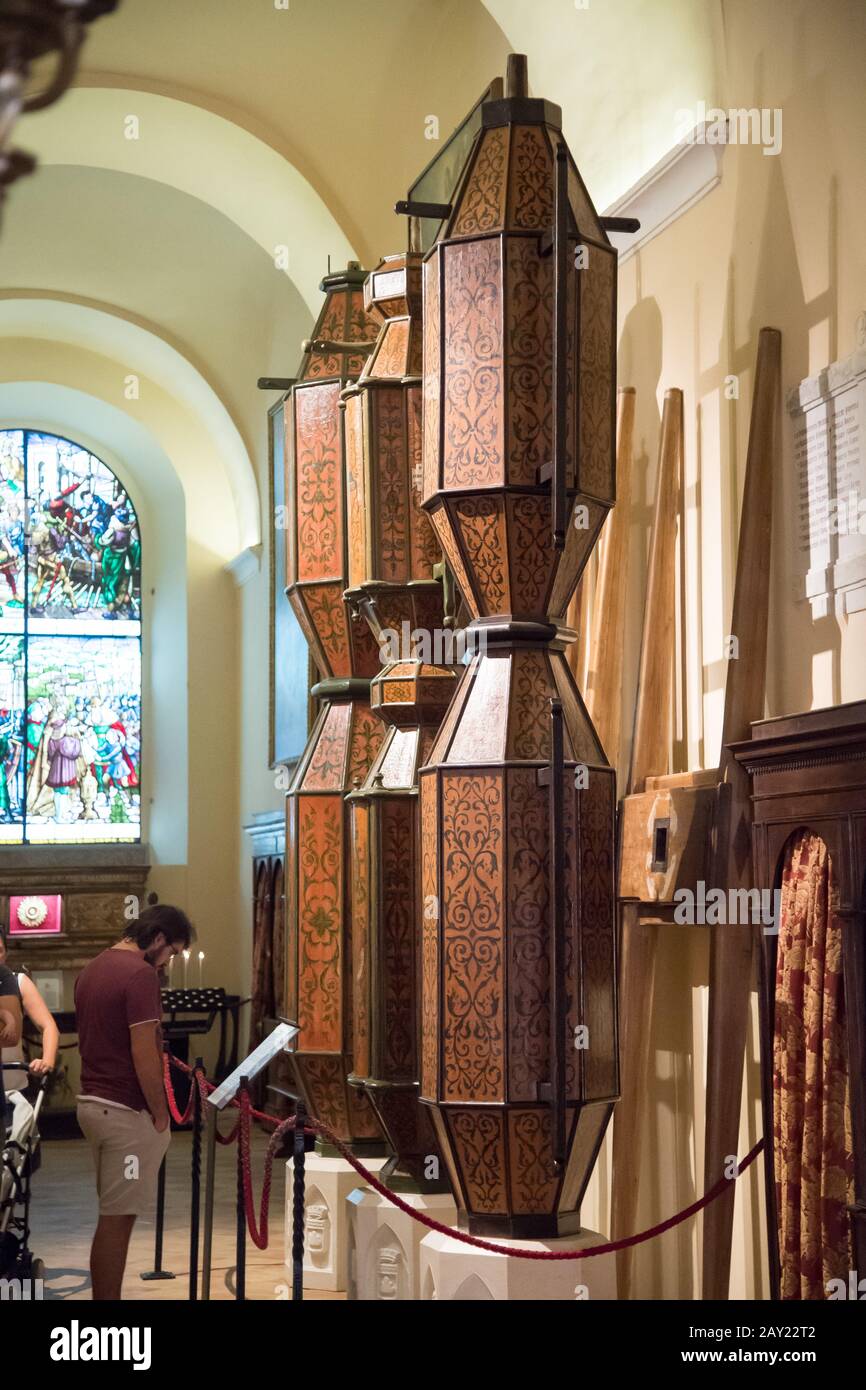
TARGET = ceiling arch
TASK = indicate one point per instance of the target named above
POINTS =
(199, 152)
(97, 350)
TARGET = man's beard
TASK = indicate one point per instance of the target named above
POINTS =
(151, 955)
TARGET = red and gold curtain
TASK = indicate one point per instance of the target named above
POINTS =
(811, 1112)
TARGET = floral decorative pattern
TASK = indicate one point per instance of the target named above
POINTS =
(472, 369)
(472, 930)
(482, 201)
(812, 1139)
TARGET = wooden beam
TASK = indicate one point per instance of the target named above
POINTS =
(731, 946)
(650, 756)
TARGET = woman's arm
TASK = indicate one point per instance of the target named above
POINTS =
(10, 1020)
(37, 1010)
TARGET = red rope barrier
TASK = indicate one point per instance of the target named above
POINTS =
(608, 1247)
(179, 1119)
(258, 1229)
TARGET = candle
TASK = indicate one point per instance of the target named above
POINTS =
(200, 965)
(185, 964)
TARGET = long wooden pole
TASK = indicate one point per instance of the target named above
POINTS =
(731, 945)
(603, 689)
(650, 756)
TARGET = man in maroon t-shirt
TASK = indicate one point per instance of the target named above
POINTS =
(122, 1108)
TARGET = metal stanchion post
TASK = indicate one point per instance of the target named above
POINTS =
(241, 1227)
(158, 1272)
(195, 1185)
(208, 1202)
(298, 1176)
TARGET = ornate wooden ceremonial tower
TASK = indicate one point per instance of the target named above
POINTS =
(392, 553)
(346, 736)
(519, 1044)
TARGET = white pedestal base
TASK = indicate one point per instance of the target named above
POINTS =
(326, 1228)
(451, 1270)
(384, 1243)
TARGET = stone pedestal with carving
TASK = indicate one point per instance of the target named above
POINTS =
(326, 1227)
(385, 1243)
(452, 1270)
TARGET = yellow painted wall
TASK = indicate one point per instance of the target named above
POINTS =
(780, 243)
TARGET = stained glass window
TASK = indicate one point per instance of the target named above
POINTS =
(70, 646)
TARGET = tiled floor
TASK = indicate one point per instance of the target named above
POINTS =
(63, 1217)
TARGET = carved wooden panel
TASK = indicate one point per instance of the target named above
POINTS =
(473, 931)
(530, 195)
(320, 925)
(397, 965)
(479, 1141)
(360, 818)
(473, 366)
(319, 482)
(429, 938)
(482, 205)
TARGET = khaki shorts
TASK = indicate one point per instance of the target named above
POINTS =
(128, 1151)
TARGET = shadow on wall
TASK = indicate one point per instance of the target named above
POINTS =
(639, 364)
(763, 286)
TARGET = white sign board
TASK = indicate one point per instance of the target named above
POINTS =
(277, 1041)
(828, 455)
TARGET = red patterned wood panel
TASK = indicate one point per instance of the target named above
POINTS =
(327, 767)
(391, 356)
(320, 925)
(328, 615)
(530, 194)
(473, 366)
(483, 728)
(533, 1181)
(319, 482)
(529, 380)
(331, 324)
(597, 933)
(528, 935)
(388, 439)
(425, 551)
(368, 733)
(481, 524)
(366, 659)
(596, 417)
(480, 1145)
(324, 1079)
(442, 525)
(360, 819)
(299, 608)
(473, 928)
(290, 973)
(360, 327)
(356, 488)
(529, 707)
(531, 558)
(482, 199)
(429, 938)
(432, 381)
(397, 949)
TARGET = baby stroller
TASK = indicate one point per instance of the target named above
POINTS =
(20, 1160)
